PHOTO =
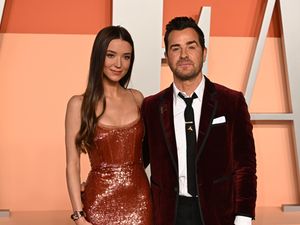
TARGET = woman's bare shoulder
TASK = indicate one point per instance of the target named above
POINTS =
(139, 97)
(75, 101)
(74, 104)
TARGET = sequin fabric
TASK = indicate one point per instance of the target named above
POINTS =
(117, 189)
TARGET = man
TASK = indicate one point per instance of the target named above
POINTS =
(198, 141)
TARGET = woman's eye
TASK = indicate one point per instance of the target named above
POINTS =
(108, 55)
(127, 57)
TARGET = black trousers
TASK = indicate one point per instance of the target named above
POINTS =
(188, 212)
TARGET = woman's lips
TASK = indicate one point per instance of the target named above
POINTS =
(116, 72)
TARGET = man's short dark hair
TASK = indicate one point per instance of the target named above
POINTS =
(180, 23)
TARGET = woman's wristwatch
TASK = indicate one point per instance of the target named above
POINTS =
(77, 214)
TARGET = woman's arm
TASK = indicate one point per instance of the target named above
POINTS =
(72, 125)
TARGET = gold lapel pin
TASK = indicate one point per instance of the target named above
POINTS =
(190, 128)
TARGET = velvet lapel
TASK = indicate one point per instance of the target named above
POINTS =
(167, 124)
(208, 111)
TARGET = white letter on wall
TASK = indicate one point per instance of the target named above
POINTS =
(143, 19)
(291, 48)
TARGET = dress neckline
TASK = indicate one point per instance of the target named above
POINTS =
(128, 125)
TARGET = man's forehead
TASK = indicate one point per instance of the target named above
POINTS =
(186, 35)
(183, 41)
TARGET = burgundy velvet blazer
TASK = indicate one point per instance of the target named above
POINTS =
(225, 162)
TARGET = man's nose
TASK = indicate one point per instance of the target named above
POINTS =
(183, 53)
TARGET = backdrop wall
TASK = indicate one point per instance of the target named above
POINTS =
(44, 56)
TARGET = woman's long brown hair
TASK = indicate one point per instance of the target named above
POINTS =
(94, 92)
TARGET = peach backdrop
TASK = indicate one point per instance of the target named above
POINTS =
(44, 56)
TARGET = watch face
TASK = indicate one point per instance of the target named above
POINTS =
(74, 217)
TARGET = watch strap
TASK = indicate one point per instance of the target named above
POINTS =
(77, 214)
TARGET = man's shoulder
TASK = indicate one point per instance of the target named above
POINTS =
(224, 90)
(227, 96)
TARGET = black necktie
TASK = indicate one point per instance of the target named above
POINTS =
(190, 131)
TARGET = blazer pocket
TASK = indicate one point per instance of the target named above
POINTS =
(222, 191)
(222, 179)
(221, 120)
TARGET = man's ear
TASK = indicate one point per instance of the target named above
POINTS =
(204, 54)
(166, 57)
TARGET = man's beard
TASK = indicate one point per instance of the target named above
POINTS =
(187, 76)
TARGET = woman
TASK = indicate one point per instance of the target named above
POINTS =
(105, 122)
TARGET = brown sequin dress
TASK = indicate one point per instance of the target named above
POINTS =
(117, 189)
